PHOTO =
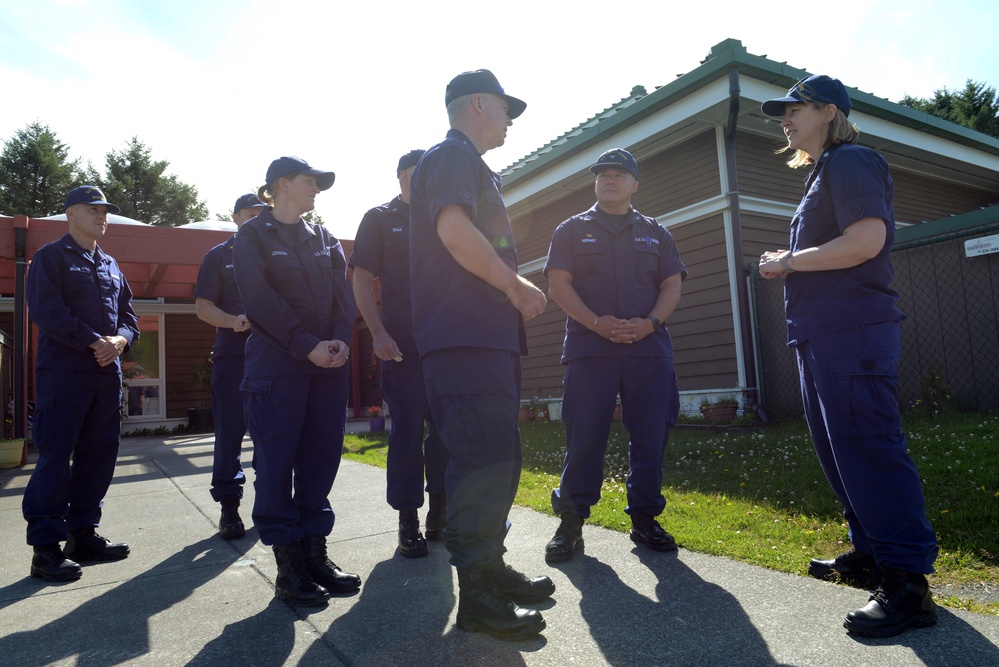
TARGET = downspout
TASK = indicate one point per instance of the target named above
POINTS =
(745, 333)
(20, 327)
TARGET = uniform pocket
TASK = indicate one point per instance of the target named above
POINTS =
(479, 421)
(260, 386)
(869, 383)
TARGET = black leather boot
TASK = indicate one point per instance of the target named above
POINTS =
(646, 530)
(49, 563)
(325, 572)
(568, 539)
(518, 587)
(230, 524)
(293, 582)
(85, 544)
(902, 601)
(483, 608)
(851, 565)
(436, 517)
(411, 542)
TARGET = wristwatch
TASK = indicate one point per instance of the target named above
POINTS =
(783, 259)
(655, 323)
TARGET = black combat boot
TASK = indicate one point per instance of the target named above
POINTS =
(902, 600)
(483, 608)
(411, 542)
(851, 565)
(230, 524)
(293, 582)
(437, 517)
(49, 563)
(646, 530)
(325, 572)
(85, 544)
(517, 587)
(568, 539)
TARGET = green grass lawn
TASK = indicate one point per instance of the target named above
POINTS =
(759, 495)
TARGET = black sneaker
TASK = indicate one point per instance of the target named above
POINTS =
(49, 563)
(851, 565)
(902, 601)
(85, 544)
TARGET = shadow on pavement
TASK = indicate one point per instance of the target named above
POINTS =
(690, 621)
(113, 627)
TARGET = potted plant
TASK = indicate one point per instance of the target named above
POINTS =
(12, 453)
(720, 410)
(376, 421)
(538, 410)
(200, 418)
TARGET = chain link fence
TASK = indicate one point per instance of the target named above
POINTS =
(950, 340)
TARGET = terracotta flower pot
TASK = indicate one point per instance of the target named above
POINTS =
(719, 413)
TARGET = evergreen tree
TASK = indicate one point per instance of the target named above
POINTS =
(35, 173)
(975, 107)
(135, 182)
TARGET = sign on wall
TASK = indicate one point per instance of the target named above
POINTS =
(985, 245)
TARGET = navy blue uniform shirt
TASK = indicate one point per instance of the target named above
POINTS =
(293, 280)
(382, 247)
(217, 283)
(847, 184)
(75, 299)
(617, 264)
(452, 307)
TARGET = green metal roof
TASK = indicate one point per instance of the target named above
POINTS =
(722, 57)
(954, 225)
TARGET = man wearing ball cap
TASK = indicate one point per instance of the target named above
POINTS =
(381, 249)
(81, 303)
(469, 307)
(615, 343)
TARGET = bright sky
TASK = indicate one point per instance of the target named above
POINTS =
(219, 88)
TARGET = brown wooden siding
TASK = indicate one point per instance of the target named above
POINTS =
(532, 230)
(918, 198)
(701, 327)
(188, 343)
(764, 174)
(680, 176)
(921, 199)
(542, 368)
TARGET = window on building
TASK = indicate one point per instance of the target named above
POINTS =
(141, 372)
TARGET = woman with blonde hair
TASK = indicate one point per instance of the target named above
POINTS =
(292, 277)
(844, 325)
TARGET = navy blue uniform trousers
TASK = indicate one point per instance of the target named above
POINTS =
(849, 384)
(78, 417)
(297, 424)
(230, 427)
(474, 396)
(648, 387)
(408, 453)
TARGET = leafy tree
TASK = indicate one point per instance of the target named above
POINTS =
(975, 107)
(35, 172)
(135, 182)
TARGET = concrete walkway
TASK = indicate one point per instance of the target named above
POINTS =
(187, 597)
